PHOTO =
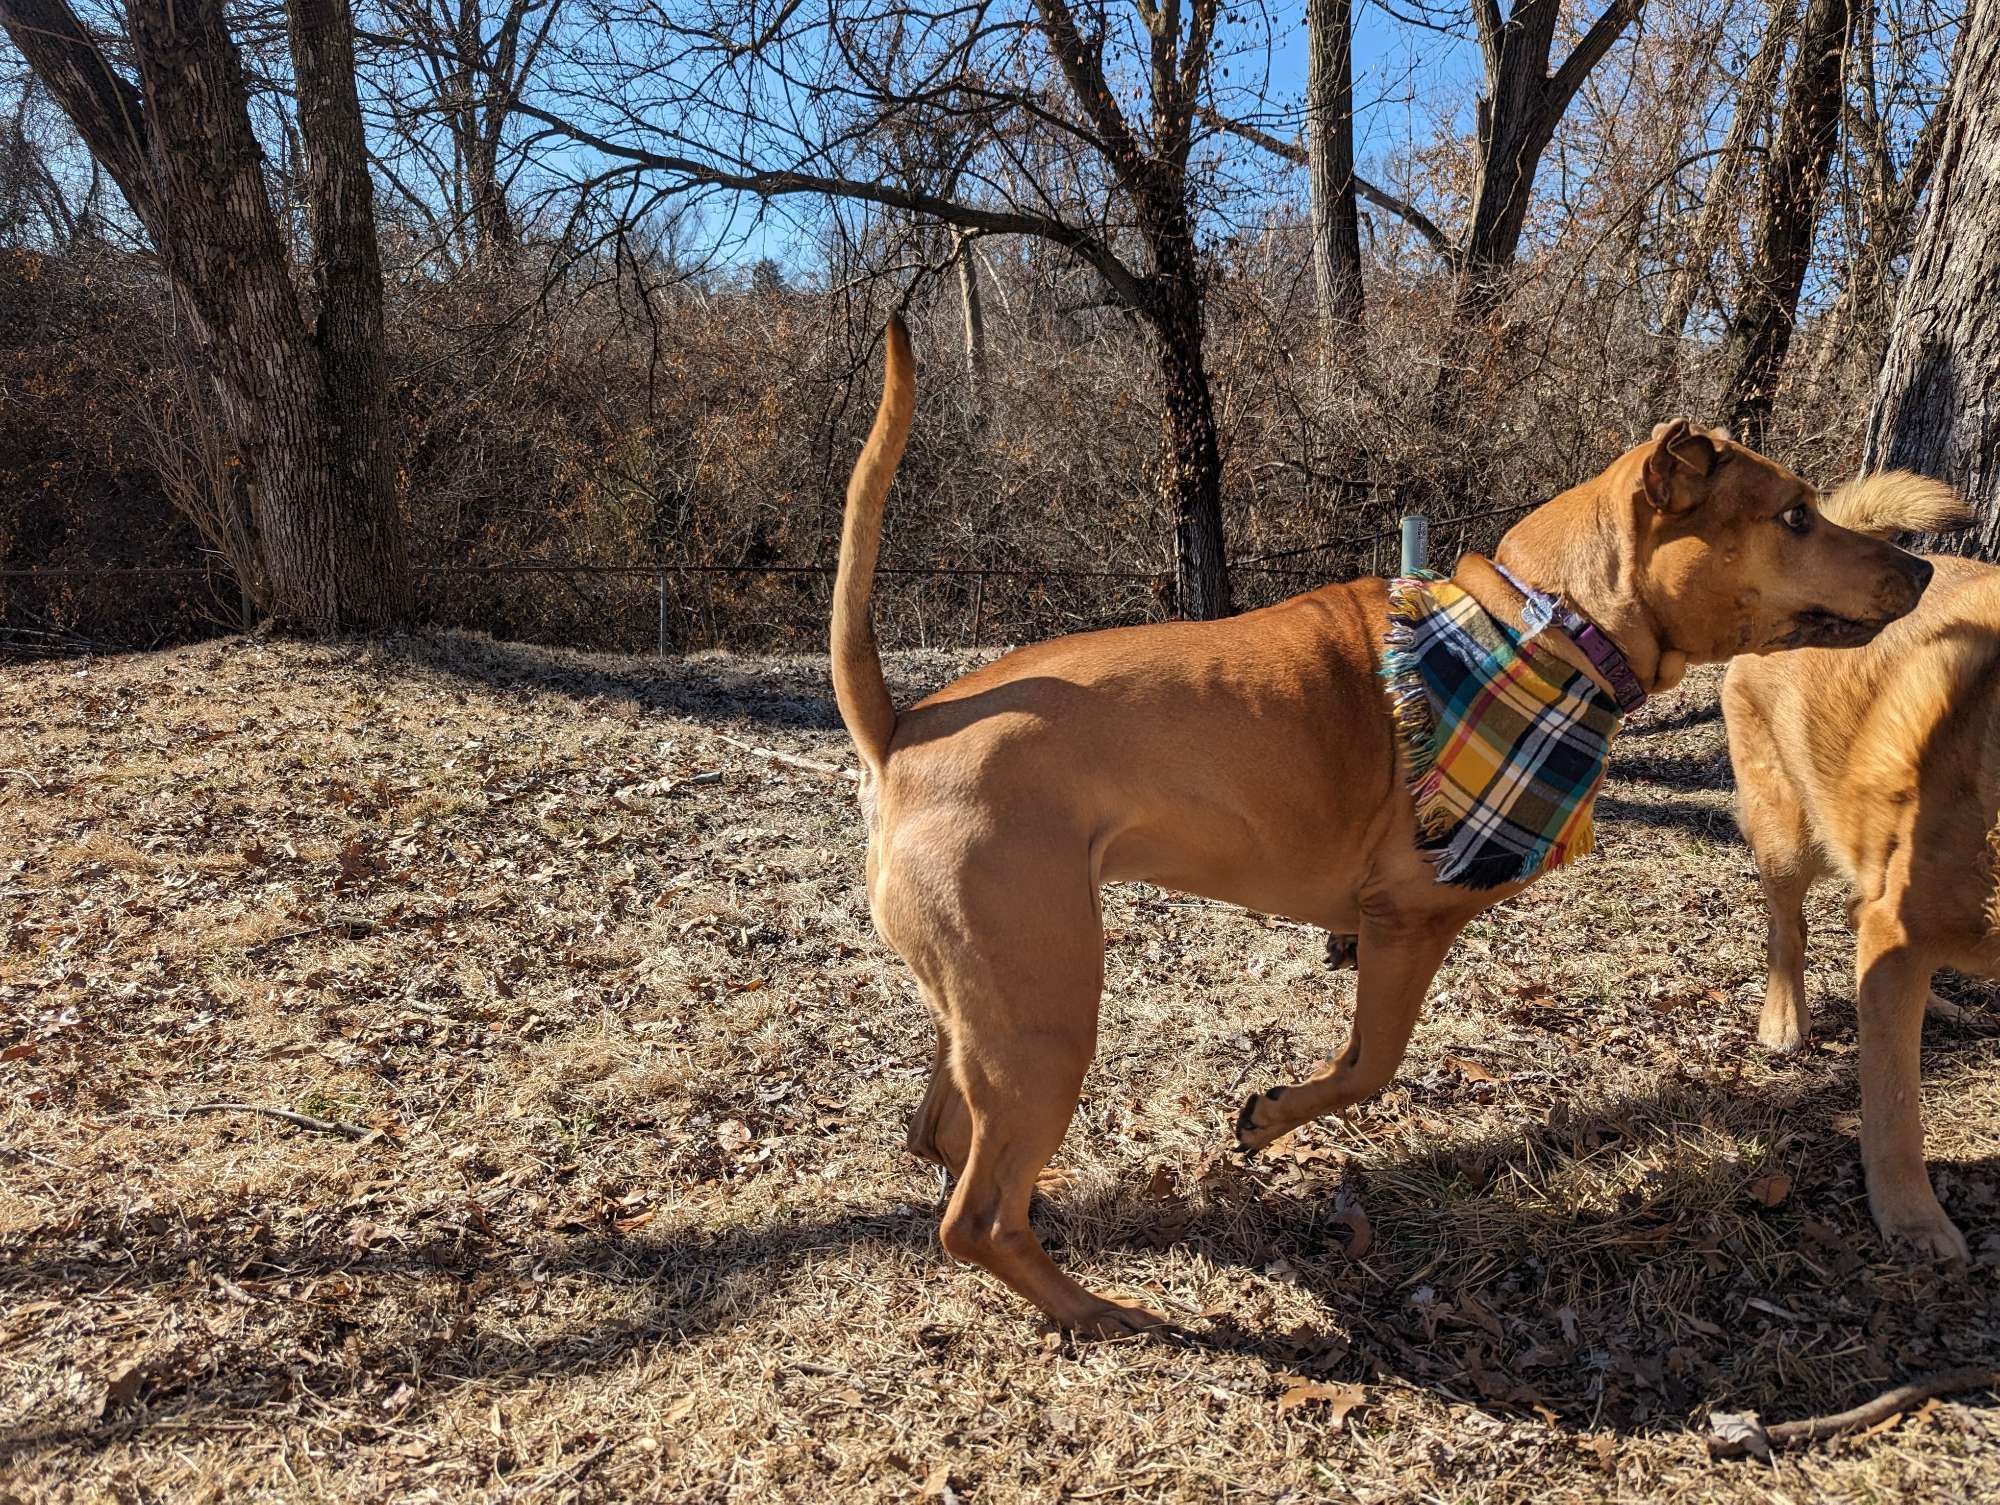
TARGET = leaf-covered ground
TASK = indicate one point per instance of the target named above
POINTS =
(629, 1213)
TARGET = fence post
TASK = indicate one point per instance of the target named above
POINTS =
(1416, 542)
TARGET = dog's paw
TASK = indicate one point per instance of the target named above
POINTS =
(1254, 1128)
(1781, 1032)
(1937, 1007)
(1110, 1318)
(1342, 951)
(1929, 1235)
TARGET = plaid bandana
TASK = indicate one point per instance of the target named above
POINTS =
(1505, 744)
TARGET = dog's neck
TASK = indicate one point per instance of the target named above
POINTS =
(1583, 546)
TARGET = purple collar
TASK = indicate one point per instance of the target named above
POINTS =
(1544, 610)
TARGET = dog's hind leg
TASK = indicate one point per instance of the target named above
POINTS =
(1396, 965)
(1774, 822)
(940, 1126)
(1015, 956)
(1890, 1005)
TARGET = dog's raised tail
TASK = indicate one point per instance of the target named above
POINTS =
(858, 686)
(1896, 501)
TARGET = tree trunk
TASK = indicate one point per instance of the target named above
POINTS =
(1795, 174)
(1192, 483)
(1336, 225)
(301, 407)
(1720, 194)
(1937, 408)
(975, 329)
(1190, 453)
(1517, 116)
(367, 580)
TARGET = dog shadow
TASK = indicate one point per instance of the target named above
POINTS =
(1468, 1270)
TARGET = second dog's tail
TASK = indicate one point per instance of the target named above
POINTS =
(1896, 501)
(858, 686)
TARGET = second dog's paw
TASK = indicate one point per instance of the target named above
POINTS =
(1781, 1035)
(1928, 1235)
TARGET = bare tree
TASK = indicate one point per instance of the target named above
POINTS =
(1883, 197)
(1330, 155)
(1517, 114)
(785, 105)
(1721, 198)
(454, 71)
(1937, 409)
(298, 382)
(1786, 225)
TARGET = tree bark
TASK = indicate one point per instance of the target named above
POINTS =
(301, 406)
(1937, 407)
(1794, 187)
(1192, 459)
(1336, 224)
(368, 578)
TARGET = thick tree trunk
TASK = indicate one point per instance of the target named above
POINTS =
(1190, 453)
(1336, 225)
(1937, 408)
(301, 408)
(367, 579)
(1514, 127)
(1192, 482)
(1788, 212)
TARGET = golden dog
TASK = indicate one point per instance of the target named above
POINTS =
(1883, 764)
(1251, 760)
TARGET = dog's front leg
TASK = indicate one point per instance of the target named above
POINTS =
(1396, 962)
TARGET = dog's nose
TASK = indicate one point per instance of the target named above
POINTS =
(1920, 574)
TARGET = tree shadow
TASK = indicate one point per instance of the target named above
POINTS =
(784, 694)
(1472, 1270)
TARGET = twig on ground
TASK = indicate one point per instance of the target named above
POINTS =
(1737, 1433)
(22, 773)
(356, 930)
(302, 1120)
(788, 759)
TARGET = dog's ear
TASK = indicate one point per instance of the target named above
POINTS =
(1680, 463)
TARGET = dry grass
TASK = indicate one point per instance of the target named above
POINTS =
(639, 1221)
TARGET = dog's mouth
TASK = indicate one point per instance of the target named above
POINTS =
(1826, 629)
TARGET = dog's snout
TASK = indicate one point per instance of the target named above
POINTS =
(1921, 571)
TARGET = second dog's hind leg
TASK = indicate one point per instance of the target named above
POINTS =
(1396, 966)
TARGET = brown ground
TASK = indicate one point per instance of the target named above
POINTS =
(638, 1219)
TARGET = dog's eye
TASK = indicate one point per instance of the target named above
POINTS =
(1798, 518)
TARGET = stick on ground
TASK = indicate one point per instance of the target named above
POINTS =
(1740, 1433)
(302, 1120)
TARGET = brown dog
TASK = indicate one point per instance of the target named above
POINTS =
(1885, 766)
(1250, 760)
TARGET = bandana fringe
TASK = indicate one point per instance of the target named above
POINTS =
(1410, 711)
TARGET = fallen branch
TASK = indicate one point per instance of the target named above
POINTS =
(286, 1115)
(1734, 1433)
(787, 758)
(22, 773)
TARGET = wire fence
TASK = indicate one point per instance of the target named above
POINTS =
(94, 591)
